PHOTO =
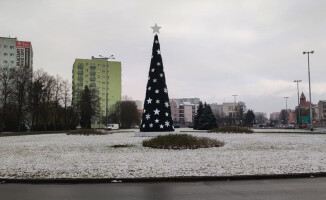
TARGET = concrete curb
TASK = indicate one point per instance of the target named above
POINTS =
(161, 179)
(9, 134)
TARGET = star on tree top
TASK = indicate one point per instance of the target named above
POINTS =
(156, 29)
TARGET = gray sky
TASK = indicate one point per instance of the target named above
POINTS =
(210, 49)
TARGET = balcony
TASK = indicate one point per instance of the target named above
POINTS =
(80, 66)
(93, 73)
(80, 78)
(80, 84)
(93, 67)
(93, 79)
(80, 72)
(92, 85)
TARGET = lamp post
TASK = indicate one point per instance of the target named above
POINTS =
(299, 120)
(235, 108)
(309, 52)
(286, 103)
(107, 87)
(286, 107)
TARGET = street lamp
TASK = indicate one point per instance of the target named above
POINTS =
(235, 108)
(297, 81)
(286, 103)
(309, 52)
(106, 89)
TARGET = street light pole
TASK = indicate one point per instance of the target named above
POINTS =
(235, 108)
(106, 89)
(286, 103)
(286, 107)
(309, 52)
(299, 120)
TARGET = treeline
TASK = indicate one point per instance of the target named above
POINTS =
(35, 101)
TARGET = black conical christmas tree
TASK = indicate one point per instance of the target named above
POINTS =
(157, 111)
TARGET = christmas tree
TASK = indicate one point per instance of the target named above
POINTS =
(157, 112)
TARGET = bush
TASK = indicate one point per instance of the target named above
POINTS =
(122, 145)
(181, 141)
(231, 129)
(88, 132)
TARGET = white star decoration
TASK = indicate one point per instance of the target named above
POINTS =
(166, 104)
(151, 125)
(157, 91)
(157, 101)
(156, 41)
(158, 64)
(166, 114)
(157, 121)
(144, 110)
(156, 29)
(161, 75)
(161, 126)
(143, 125)
(148, 116)
(154, 80)
(149, 100)
(153, 70)
(158, 52)
(165, 90)
(149, 88)
(156, 112)
(167, 124)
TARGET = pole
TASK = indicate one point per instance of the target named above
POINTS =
(311, 128)
(106, 89)
(106, 95)
(286, 103)
(310, 108)
(235, 108)
(286, 106)
(299, 120)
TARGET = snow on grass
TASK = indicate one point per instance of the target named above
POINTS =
(67, 156)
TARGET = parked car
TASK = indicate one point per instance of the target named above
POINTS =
(112, 127)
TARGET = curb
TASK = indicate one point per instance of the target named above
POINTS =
(161, 179)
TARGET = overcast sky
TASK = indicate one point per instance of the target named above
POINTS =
(210, 49)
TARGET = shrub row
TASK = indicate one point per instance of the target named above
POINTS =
(231, 129)
(181, 141)
(87, 132)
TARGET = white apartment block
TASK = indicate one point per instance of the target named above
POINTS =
(184, 110)
(14, 53)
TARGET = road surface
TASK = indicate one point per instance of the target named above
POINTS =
(305, 188)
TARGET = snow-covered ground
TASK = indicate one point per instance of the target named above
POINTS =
(63, 156)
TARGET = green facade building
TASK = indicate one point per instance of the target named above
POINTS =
(102, 75)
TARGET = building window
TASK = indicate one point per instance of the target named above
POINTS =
(5, 61)
(86, 63)
(12, 54)
(86, 70)
(12, 47)
(5, 46)
(12, 62)
(5, 54)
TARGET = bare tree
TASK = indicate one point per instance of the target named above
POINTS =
(22, 78)
(6, 93)
(66, 97)
(57, 98)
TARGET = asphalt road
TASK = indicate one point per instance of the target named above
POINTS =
(305, 188)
